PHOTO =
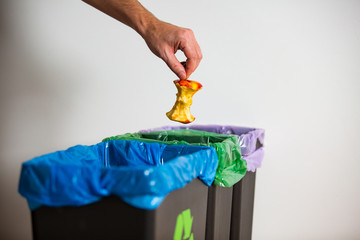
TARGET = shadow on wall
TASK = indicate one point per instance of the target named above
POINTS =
(32, 96)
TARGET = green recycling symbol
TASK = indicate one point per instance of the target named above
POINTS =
(183, 226)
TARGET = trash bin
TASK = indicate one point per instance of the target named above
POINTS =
(230, 210)
(120, 190)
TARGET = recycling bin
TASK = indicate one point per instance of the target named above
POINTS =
(186, 209)
(180, 216)
(120, 190)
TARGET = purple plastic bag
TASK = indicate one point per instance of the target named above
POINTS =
(248, 138)
(254, 159)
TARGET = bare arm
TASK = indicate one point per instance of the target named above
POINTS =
(162, 38)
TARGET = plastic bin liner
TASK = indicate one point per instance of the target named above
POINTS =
(231, 166)
(141, 174)
(254, 159)
(248, 138)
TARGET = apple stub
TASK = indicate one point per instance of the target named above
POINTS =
(181, 109)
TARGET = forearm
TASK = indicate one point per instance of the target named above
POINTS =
(129, 12)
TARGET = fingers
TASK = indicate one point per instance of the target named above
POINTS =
(192, 51)
(174, 64)
(166, 39)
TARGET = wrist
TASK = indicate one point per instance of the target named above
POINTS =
(147, 25)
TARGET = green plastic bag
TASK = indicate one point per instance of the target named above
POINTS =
(231, 166)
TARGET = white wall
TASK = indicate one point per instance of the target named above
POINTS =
(72, 75)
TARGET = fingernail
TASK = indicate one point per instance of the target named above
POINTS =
(182, 75)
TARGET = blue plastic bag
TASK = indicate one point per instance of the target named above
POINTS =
(141, 174)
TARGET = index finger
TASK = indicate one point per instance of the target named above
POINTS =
(192, 52)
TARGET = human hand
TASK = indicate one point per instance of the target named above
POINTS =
(165, 39)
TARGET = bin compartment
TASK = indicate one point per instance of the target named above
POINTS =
(111, 218)
(120, 189)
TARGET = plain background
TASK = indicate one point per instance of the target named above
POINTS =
(72, 75)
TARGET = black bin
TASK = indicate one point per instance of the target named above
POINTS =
(111, 218)
(68, 191)
(230, 210)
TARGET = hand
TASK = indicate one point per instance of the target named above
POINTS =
(165, 39)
